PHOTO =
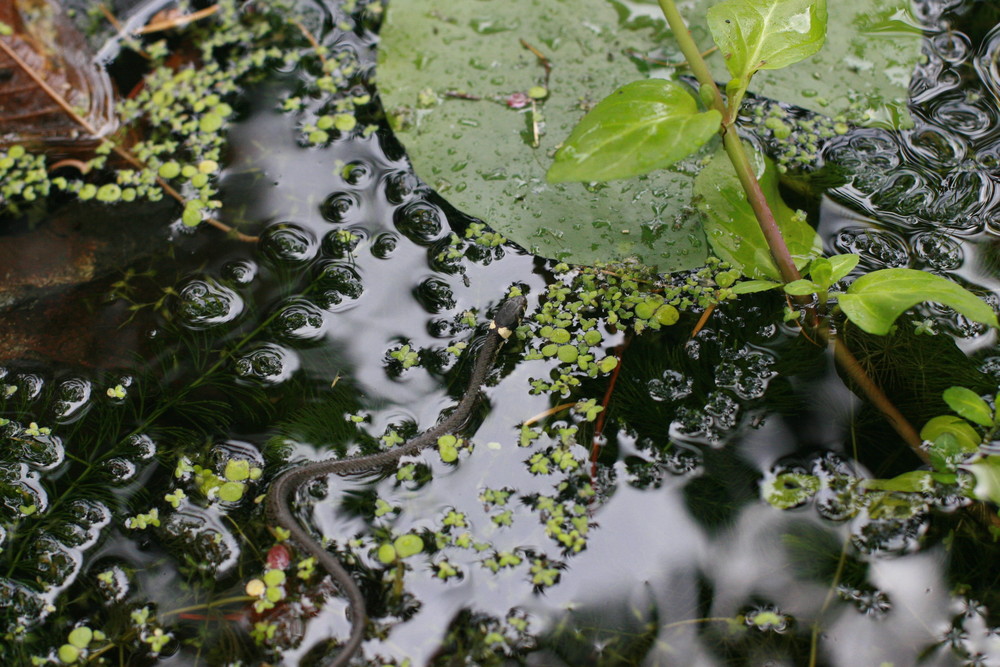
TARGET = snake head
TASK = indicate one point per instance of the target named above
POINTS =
(509, 315)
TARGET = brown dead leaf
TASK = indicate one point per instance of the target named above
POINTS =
(47, 51)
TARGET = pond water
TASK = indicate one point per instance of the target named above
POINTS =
(347, 322)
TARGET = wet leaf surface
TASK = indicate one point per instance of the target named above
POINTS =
(479, 154)
(47, 47)
(642, 126)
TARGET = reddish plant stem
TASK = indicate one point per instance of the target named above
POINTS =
(755, 197)
(874, 393)
(595, 448)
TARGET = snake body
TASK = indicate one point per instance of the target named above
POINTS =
(279, 512)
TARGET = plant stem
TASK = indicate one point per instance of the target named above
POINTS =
(772, 234)
(874, 393)
(733, 145)
(755, 197)
(694, 59)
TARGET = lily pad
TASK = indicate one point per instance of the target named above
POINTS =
(481, 154)
(862, 72)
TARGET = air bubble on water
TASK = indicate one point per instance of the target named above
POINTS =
(299, 320)
(119, 470)
(204, 303)
(72, 399)
(239, 272)
(339, 206)
(269, 363)
(203, 538)
(420, 221)
(288, 244)
(671, 386)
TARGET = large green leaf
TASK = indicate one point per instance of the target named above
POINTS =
(874, 301)
(642, 126)
(479, 154)
(732, 228)
(862, 72)
(767, 34)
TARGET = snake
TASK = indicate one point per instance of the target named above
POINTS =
(278, 509)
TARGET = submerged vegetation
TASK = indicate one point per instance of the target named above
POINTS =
(680, 406)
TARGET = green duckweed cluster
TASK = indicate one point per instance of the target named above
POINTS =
(203, 482)
(329, 106)
(185, 112)
(962, 468)
(582, 304)
(794, 138)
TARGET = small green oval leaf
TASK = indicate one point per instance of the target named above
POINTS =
(841, 265)
(767, 34)
(237, 470)
(386, 554)
(874, 301)
(231, 492)
(968, 404)
(408, 545)
(642, 126)
(80, 637)
(802, 287)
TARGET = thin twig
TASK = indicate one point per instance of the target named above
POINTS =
(312, 40)
(79, 165)
(119, 28)
(34, 113)
(702, 321)
(595, 447)
(541, 59)
(534, 124)
(459, 95)
(874, 393)
(115, 23)
(48, 90)
(547, 413)
(177, 21)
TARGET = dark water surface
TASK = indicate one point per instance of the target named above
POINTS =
(266, 351)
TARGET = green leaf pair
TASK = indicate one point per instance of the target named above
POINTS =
(953, 439)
